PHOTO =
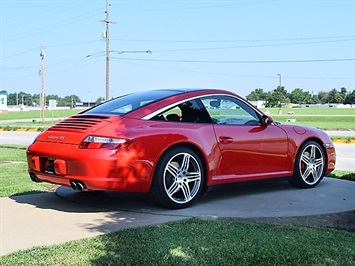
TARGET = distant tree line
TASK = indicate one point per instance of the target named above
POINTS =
(298, 96)
(273, 99)
(35, 99)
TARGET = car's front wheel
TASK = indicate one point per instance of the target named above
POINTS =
(178, 178)
(309, 165)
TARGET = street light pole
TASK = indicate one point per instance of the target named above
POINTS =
(43, 101)
(279, 80)
(280, 104)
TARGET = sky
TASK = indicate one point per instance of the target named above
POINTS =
(234, 45)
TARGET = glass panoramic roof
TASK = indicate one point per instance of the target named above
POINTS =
(131, 102)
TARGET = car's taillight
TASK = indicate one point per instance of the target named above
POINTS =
(96, 142)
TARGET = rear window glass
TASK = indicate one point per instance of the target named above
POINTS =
(131, 102)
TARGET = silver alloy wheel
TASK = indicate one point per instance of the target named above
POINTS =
(182, 178)
(311, 164)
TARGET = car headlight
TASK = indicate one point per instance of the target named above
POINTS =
(97, 142)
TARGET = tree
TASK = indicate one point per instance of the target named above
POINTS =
(277, 97)
(70, 100)
(323, 96)
(257, 95)
(300, 97)
(100, 100)
(335, 97)
(36, 99)
(20, 98)
(343, 92)
(350, 98)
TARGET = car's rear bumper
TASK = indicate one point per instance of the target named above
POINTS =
(97, 169)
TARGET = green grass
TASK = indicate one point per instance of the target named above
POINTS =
(37, 114)
(321, 122)
(342, 175)
(28, 126)
(37, 123)
(200, 242)
(14, 179)
(312, 111)
(322, 118)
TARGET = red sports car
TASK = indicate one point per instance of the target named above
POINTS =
(176, 143)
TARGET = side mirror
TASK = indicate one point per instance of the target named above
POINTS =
(267, 120)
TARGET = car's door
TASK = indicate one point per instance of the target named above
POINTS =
(250, 148)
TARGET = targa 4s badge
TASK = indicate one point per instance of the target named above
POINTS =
(56, 137)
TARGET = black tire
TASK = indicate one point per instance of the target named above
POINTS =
(309, 166)
(178, 178)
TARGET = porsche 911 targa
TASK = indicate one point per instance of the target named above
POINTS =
(175, 144)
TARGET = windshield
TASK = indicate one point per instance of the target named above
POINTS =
(130, 102)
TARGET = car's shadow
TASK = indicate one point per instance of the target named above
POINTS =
(67, 199)
(267, 199)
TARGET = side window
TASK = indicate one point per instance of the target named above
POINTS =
(230, 111)
(191, 112)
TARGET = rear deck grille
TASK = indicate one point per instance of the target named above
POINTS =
(78, 123)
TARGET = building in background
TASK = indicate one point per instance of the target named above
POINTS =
(3, 102)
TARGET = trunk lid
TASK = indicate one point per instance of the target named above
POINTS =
(74, 129)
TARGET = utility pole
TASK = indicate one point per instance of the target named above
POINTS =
(42, 55)
(107, 39)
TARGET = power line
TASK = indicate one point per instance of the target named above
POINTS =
(238, 41)
(236, 61)
(50, 27)
(329, 39)
(50, 46)
(228, 3)
(29, 18)
(82, 59)
(20, 53)
(248, 46)
(233, 75)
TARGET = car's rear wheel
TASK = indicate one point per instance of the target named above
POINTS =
(309, 165)
(178, 178)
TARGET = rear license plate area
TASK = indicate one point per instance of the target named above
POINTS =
(49, 166)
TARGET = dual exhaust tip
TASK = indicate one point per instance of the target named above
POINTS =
(34, 178)
(78, 185)
(75, 184)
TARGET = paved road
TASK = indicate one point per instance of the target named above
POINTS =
(17, 137)
(345, 152)
(350, 133)
(345, 157)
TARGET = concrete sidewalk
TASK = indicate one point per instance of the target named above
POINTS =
(46, 219)
(52, 218)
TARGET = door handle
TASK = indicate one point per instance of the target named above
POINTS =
(225, 140)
